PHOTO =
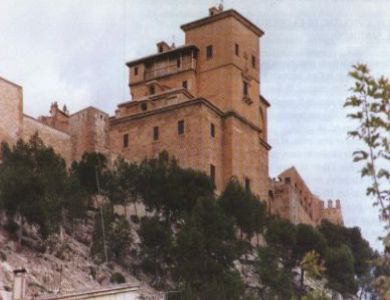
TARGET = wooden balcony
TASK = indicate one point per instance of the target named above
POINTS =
(153, 72)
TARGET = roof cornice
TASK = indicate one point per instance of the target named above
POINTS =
(222, 15)
(162, 54)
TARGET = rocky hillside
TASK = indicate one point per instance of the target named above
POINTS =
(62, 267)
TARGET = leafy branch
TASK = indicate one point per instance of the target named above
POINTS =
(369, 106)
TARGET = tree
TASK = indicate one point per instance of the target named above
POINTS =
(32, 183)
(169, 189)
(281, 237)
(277, 278)
(205, 251)
(245, 208)
(308, 240)
(76, 199)
(312, 264)
(91, 170)
(103, 219)
(370, 108)
(119, 238)
(339, 263)
(338, 236)
(121, 183)
(156, 245)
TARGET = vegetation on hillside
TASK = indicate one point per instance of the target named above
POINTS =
(190, 240)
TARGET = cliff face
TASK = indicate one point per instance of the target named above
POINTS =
(63, 267)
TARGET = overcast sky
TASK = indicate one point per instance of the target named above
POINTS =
(74, 52)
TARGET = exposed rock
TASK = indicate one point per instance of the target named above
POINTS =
(64, 266)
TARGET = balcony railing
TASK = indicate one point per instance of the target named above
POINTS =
(166, 70)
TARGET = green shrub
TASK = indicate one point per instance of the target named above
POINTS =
(117, 278)
(3, 256)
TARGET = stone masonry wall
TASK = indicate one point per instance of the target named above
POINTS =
(244, 157)
(89, 130)
(59, 140)
(293, 200)
(193, 149)
(11, 109)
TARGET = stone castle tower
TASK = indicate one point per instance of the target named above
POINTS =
(201, 102)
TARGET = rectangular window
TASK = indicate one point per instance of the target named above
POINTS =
(245, 88)
(209, 51)
(237, 49)
(152, 90)
(247, 184)
(156, 133)
(135, 71)
(253, 61)
(178, 62)
(212, 172)
(180, 127)
(185, 84)
(125, 140)
(212, 130)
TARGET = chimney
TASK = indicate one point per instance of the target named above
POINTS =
(330, 204)
(19, 286)
(215, 10)
(162, 47)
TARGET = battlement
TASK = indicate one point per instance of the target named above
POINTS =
(294, 200)
(337, 204)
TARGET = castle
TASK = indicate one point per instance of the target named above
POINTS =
(200, 101)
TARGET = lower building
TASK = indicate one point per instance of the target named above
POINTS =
(292, 199)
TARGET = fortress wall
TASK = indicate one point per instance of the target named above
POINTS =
(89, 129)
(11, 108)
(280, 204)
(60, 141)
(332, 213)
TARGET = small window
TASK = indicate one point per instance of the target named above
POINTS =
(152, 90)
(209, 51)
(185, 84)
(180, 127)
(144, 106)
(237, 49)
(135, 71)
(156, 133)
(212, 130)
(247, 184)
(253, 61)
(212, 172)
(178, 63)
(125, 140)
(161, 49)
(245, 88)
